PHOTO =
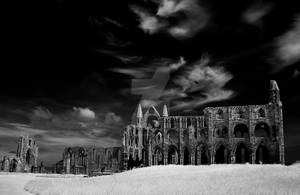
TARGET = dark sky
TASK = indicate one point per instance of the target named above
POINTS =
(73, 73)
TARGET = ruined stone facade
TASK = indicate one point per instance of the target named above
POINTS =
(80, 160)
(232, 134)
(25, 159)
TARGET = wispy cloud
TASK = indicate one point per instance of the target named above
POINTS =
(255, 13)
(126, 59)
(288, 46)
(78, 121)
(193, 85)
(151, 80)
(179, 18)
(200, 83)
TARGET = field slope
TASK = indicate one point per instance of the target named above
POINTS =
(176, 179)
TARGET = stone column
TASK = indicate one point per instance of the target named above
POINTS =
(253, 156)
(165, 153)
(150, 156)
(232, 157)
(180, 148)
(193, 156)
(212, 156)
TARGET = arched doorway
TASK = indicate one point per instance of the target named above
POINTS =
(241, 131)
(221, 155)
(172, 155)
(242, 154)
(186, 157)
(201, 155)
(14, 165)
(158, 157)
(262, 155)
(130, 162)
(204, 157)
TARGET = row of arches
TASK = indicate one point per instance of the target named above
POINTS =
(240, 131)
(186, 122)
(241, 113)
(242, 155)
(222, 155)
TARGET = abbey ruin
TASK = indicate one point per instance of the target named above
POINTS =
(232, 134)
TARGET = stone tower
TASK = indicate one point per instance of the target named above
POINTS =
(277, 118)
(27, 151)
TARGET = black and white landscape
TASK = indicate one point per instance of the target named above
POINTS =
(74, 75)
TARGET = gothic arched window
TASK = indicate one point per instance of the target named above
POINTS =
(172, 123)
(240, 113)
(158, 137)
(220, 114)
(261, 113)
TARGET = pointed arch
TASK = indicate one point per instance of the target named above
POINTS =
(173, 136)
(221, 153)
(241, 131)
(261, 113)
(221, 131)
(28, 157)
(262, 130)
(262, 155)
(172, 123)
(173, 155)
(220, 114)
(202, 154)
(158, 156)
(242, 153)
(186, 156)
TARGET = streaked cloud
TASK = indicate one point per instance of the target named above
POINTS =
(78, 121)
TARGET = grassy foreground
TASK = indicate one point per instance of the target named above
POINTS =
(176, 179)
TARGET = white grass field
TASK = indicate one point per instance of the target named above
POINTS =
(173, 179)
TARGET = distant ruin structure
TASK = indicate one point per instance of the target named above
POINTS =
(86, 160)
(25, 159)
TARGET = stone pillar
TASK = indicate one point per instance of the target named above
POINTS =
(193, 156)
(253, 156)
(140, 143)
(125, 157)
(232, 157)
(212, 156)
(180, 148)
(198, 150)
(150, 156)
(165, 153)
